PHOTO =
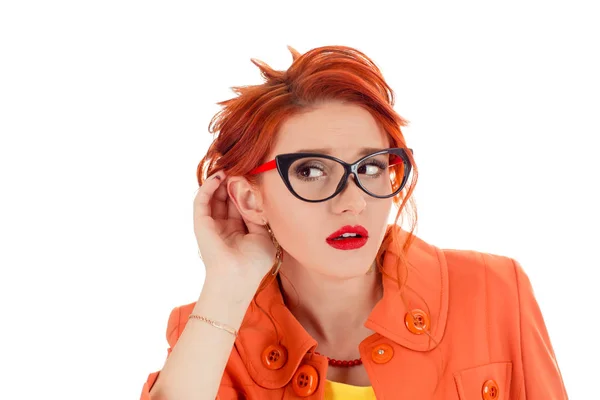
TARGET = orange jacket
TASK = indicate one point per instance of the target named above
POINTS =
(492, 339)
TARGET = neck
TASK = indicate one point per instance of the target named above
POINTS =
(333, 311)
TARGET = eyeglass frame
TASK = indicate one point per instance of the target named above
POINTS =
(283, 162)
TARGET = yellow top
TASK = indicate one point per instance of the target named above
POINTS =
(337, 391)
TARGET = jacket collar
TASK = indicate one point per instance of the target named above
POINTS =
(426, 289)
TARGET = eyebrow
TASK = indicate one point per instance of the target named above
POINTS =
(328, 150)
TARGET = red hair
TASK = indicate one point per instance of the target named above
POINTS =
(246, 127)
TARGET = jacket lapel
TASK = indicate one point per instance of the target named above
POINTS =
(426, 289)
(258, 332)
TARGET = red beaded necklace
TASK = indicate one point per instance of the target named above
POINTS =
(339, 363)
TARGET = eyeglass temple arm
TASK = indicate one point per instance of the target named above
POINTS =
(265, 167)
(398, 159)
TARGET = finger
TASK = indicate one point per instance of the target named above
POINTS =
(204, 195)
(219, 201)
(221, 192)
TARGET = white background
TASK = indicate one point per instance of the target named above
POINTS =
(104, 109)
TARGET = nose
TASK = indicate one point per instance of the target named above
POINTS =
(351, 198)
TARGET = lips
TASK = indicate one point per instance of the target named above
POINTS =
(357, 229)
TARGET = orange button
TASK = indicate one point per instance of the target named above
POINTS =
(417, 321)
(305, 380)
(274, 356)
(490, 390)
(382, 353)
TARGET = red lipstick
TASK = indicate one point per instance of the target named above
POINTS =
(338, 241)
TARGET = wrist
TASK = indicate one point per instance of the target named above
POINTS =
(223, 303)
(231, 288)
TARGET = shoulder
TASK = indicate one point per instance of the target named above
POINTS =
(491, 280)
(484, 294)
(475, 266)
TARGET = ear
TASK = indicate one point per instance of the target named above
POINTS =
(247, 199)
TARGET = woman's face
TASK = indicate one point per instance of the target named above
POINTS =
(302, 227)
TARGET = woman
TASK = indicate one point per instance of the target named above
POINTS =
(309, 292)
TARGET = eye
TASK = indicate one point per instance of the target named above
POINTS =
(372, 168)
(309, 171)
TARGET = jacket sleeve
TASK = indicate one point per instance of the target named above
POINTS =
(172, 336)
(541, 374)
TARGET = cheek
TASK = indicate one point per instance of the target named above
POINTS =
(296, 221)
(300, 226)
(287, 212)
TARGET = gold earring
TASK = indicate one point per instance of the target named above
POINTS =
(271, 234)
(279, 253)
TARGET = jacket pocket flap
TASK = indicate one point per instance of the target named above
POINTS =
(487, 382)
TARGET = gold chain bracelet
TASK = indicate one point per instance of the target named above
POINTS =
(215, 324)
